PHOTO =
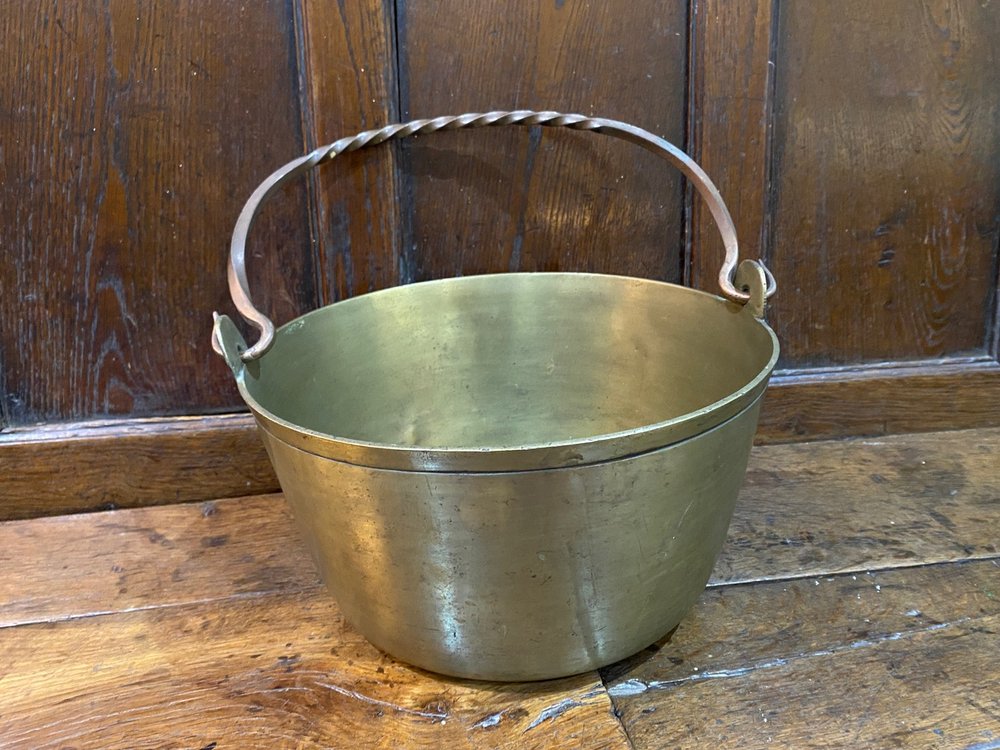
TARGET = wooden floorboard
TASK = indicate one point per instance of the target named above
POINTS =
(64, 567)
(860, 504)
(900, 658)
(279, 671)
(855, 605)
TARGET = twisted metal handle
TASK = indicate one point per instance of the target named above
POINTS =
(239, 287)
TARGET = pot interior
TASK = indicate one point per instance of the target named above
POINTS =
(509, 360)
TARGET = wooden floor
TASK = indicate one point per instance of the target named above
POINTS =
(856, 605)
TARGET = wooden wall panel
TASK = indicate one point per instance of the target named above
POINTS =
(916, 397)
(62, 468)
(887, 178)
(516, 200)
(731, 98)
(349, 65)
(130, 135)
(857, 145)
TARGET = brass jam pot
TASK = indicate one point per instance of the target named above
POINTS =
(516, 476)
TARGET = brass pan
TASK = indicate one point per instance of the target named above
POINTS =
(513, 476)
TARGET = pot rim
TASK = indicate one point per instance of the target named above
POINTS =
(529, 456)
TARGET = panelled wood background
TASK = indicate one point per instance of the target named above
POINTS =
(857, 144)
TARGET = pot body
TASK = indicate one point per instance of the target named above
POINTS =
(520, 575)
(512, 477)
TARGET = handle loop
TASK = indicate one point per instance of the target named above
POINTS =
(237, 275)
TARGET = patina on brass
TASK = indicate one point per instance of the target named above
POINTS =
(515, 476)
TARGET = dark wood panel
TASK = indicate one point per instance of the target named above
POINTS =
(349, 60)
(903, 658)
(132, 134)
(281, 671)
(815, 405)
(74, 468)
(516, 200)
(731, 74)
(887, 178)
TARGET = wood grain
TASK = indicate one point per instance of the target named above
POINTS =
(865, 504)
(731, 100)
(903, 658)
(281, 671)
(886, 179)
(192, 624)
(510, 200)
(145, 558)
(919, 397)
(120, 464)
(132, 135)
(349, 64)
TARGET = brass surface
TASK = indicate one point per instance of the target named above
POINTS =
(512, 477)
(515, 476)
(520, 575)
(507, 372)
